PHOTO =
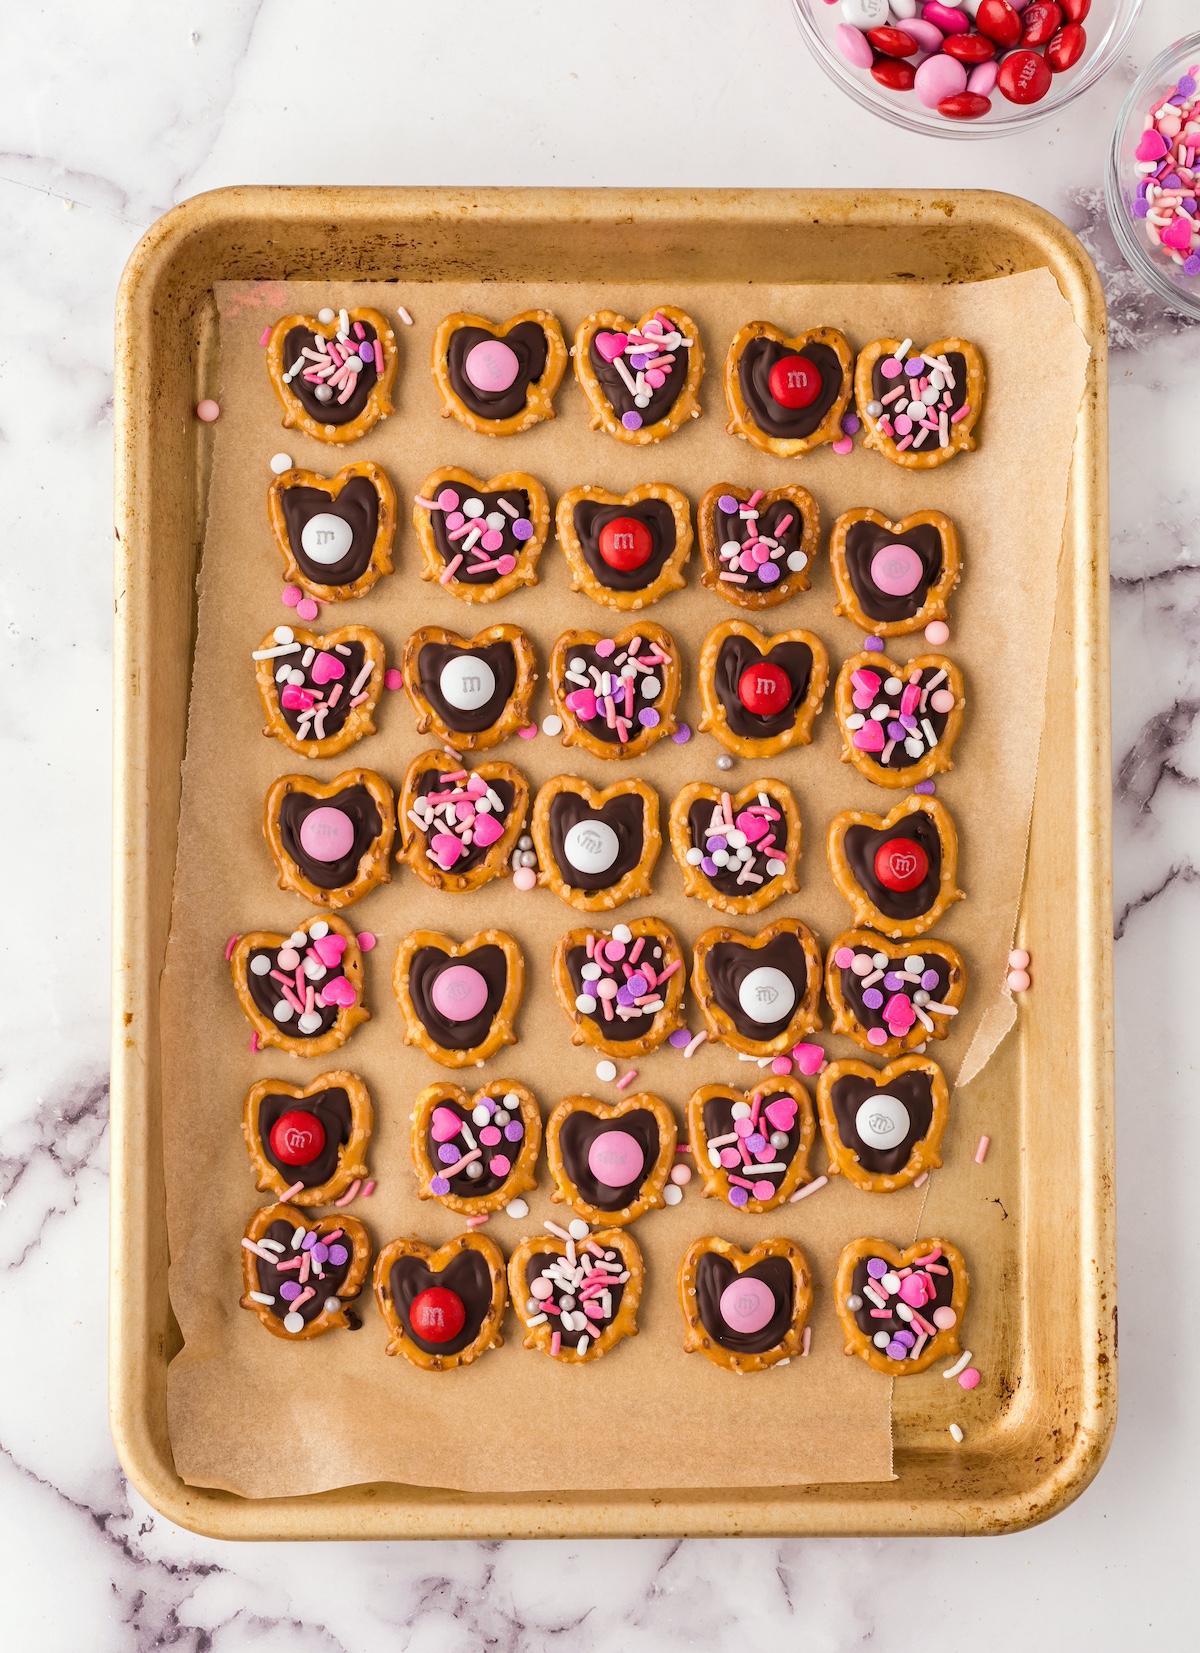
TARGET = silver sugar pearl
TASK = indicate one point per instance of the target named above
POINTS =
(779, 1139)
(474, 1170)
(874, 409)
(724, 761)
(528, 858)
(524, 841)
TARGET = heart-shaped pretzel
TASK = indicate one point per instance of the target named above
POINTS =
(733, 1171)
(929, 696)
(369, 555)
(575, 1166)
(275, 1264)
(920, 1330)
(576, 694)
(610, 1282)
(339, 841)
(907, 1012)
(614, 338)
(459, 392)
(714, 984)
(775, 824)
(452, 542)
(666, 517)
(364, 395)
(957, 406)
(344, 1140)
(331, 708)
(498, 1031)
(785, 525)
(439, 1115)
(579, 950)
(580, 886)
(473, 1269)
(734, 1343)
(421, 835)
(722, 672)
(928, 828)
(861, 536)
(333, 982)
(912, 1122)
(753, 406)
(456, 725)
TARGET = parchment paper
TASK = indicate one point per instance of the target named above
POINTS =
(253, 1415)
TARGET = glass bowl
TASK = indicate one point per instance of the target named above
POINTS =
(1108, 25)
(1152, 264)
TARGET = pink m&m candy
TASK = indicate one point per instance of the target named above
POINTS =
(923, 32)
(939, 77)
(854, 46)
(616, 1159)
(947, 18)
(747, 1305)
(327, 834)
(459, 993)
(491, 365)
(896, 569)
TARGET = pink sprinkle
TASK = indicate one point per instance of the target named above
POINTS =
(367, 1190)
(961, 414)
(626, 1079)
(291, 595)
(809, 1058)
(844, 445)
(290, 1193)
(981, 1151)
(266, 334)
(555, 1342)
(307, 610)
(695, 1044)
(447, 573)
(968, 1379)
(529, 732)
(808, 1188)
(254, 1041)
(477, 1221)
(365, 940)
(806, 1340)
(351, 1192)
(924, 1177)
(378, 357)
(229, 946)
(392, 679)
(781, 1064)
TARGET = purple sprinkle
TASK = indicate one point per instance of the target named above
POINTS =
(874, 645)
(338, 1255)
(639, 364)
(872, 998)
(624, 997)
(289, 1289)
(897, 1351)
(768, 572)
(892, 982)
(649, 718)
(309, 1240)
(709, 866)
(637, 985)
(1141, 208)
(632, 420)
(1173, 181)
(756, 1143)
(925, 788)
(1185, 86)
(488, 1102)
(681, 1038)
(738, 1196)
(1176, 99)
(682, 735)
(907, 721)
(728, 504)
(906, 1337)
(514, 1130)
(320, 1253)
(877, 1268)
(522, 530)
(896, 731)
(449, 1154)
(915, 367)
(1142, 188)
(929, 980)
(1191, 265)
(1188, 205)
(714, 844)
(851, 424)
(439, 1185)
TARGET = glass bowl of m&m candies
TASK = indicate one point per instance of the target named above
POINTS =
(1152, 186)
(971, 69)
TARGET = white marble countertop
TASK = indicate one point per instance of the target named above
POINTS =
(111, 114)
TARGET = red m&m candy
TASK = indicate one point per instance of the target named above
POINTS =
(297, 1137)
(969, 48)
(1024, 77)
(1067, 47)
(964, 106)
(896, 76)
(765, 689)
(437, 1315)
(795, 382)
(893, 42)
(901, 864)
(999, 22)
(625, 543)
(1040, 23)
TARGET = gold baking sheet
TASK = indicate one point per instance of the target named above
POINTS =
(1020, 234)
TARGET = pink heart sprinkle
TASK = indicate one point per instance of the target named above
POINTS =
(781, 1112)
(611, 345)
(329, 950)
(487, 829)
(446, 848)
(864, 699)
(809, 1058)
(1178, 233)
(445, 1125)
(339, 991)
(583, 703)
(296, 700)
(326, 667)
(912, 1290)
(1152, 147)
(754, 826)
(870, 737)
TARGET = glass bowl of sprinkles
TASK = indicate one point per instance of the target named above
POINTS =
(1152, 186)
(972, 69)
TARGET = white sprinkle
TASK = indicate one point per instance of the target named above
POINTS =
(606, 1070)
(582, 1346)
(956, 1432)
(552, 725)
(293, 1322)
(261, 1297)
(578, 1230)
(960, 1365)
(536, 1320)
(273, 654)
(404, 315)
(673, 1195)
